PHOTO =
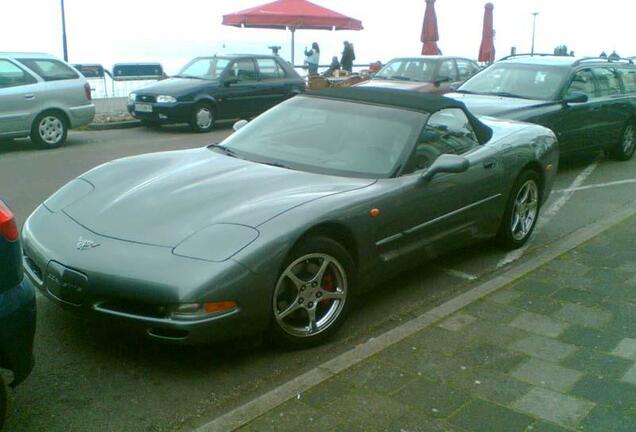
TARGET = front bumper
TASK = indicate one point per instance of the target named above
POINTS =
(178, 112)
(17, 330)
(132, 284)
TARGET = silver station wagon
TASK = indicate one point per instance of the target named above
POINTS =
(42, 97)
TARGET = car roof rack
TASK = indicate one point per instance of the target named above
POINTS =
(603, 59)
(530, 55)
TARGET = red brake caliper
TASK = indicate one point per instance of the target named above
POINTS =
(327, 285)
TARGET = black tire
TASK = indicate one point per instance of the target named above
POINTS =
(624, 150)
(3, 402)
(508, 236)
(341, 270)
(49, 129)
(196, 123)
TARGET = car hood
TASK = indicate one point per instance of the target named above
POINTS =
(496, 106)
(162, 198)
(421, 86)
(175, 86)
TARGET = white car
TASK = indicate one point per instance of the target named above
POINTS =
(42, 97)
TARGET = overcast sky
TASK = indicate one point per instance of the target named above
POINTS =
(172, 32)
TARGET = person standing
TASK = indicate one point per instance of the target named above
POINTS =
(348, 56)
(312, 57)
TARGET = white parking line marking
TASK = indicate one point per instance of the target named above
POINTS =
(460, 274)
(547, 215)
(595, 186)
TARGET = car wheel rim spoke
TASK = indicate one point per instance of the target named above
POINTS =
(310, 295)
(525, 210)
(51, 129)
(204, 118)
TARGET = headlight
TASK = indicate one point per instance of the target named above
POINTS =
(132, 97)
(228, 239)
(188, 311)
(166, 99)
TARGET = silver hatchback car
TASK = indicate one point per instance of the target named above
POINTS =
(42, 97)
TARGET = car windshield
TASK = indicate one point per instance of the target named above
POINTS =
(204, 68)
(518, 80)
(408, 70)
(329, 136)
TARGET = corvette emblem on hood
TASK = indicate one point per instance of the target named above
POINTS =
(83, 244)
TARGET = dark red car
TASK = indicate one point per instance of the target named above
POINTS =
(429, 74)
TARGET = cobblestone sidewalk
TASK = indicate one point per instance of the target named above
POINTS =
(555, 351)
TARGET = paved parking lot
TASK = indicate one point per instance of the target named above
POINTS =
(89, 378)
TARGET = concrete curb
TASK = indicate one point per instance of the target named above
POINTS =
(127, 124)
(244, 414)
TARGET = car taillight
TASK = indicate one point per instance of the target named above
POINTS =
(8, 228)
(87, 91)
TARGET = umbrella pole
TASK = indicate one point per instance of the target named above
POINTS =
(293, 32)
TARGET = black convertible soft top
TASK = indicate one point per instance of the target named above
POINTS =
(416, 101)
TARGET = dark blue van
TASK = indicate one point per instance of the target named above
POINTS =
(17, 308)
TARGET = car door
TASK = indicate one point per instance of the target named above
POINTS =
(576, 124)
(447, 69)
(450, 209)
(612, 106)
(239, 96)
(18, 98)
(273, 88)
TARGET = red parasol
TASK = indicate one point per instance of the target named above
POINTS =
(429, 30)
(487, 49)
(292, 14)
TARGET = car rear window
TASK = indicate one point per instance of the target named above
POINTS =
(607, 80)
(269, 69)
(50, 70)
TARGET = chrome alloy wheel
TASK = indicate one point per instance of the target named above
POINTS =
(525, 210)
(310, 295)
(204, 117)
(51, 129)
(629, 140)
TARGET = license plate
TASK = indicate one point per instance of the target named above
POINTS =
(141, 107)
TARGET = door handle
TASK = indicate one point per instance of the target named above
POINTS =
(29, 97)
(489, 164)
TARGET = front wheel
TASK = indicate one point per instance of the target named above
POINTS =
(625, 149)
(202, 118)
(313, 293)
(49, 130)
(522, 211)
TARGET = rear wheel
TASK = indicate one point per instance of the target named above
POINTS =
(522, 211)
(313, 293)
(49, 129)
(625, 149)
(202, 118)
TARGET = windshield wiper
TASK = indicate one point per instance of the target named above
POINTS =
(465, 91)
(275, 164)
(224, 150)
(401, 78)
(504, 94)
(187, 76)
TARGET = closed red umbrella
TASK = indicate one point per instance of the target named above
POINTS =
(487, 49)
(429, 30)
(292, 15)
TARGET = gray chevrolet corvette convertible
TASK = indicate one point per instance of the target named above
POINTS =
(277, 228)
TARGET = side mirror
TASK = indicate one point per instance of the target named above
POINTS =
(446, 163)
(239, 124)
(575, 97)
(441, 79)
(229, 81)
